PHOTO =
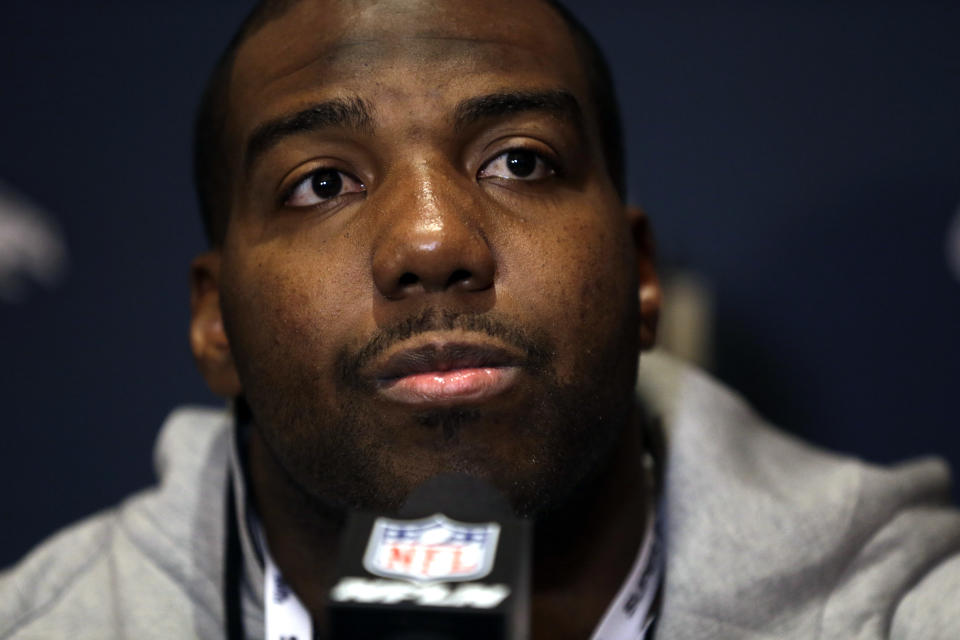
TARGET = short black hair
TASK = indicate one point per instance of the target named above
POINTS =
(210, 165)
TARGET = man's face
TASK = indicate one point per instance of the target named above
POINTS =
(426, 267)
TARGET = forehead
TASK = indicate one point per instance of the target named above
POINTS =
(415, 49)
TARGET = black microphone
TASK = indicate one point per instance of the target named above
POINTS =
(455, 565)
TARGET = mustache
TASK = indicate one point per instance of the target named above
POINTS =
(536, 345)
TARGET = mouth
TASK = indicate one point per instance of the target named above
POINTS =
(445, 373)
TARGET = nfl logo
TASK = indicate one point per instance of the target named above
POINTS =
(434, 549)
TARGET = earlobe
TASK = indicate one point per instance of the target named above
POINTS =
(649, 292)
(208, 340)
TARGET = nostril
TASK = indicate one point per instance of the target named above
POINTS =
(407, 279)
(458, 275)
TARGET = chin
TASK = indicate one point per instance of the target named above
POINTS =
(539, 469)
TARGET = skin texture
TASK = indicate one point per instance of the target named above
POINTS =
(432, 244)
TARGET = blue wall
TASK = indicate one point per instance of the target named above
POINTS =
(805, 158)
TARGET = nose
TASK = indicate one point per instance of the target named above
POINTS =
(432, 241)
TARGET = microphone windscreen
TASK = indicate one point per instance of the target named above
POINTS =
(457, 496)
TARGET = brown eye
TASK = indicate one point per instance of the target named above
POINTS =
(326, 184)
(321, 186)
(521, 163)
(517, 164)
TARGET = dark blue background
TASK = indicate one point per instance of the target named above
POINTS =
(804, 156)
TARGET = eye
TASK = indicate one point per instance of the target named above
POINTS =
(321, 186)
(517, 164)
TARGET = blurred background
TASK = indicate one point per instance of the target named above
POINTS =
(800, 162)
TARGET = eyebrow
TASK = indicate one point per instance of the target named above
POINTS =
(558, 102)
(344, 113)
(354, 114)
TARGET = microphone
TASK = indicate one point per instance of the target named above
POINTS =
(455, 565)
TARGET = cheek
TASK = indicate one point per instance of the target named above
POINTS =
(288, 310)
(584, 290)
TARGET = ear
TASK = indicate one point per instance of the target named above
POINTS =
(208, 340)
(651, 297)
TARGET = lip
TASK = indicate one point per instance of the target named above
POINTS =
(439, 372)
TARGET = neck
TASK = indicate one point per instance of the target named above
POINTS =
(582, 553)
(303, 537)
